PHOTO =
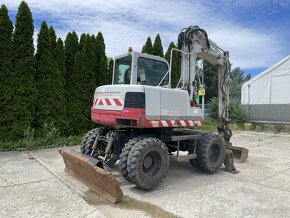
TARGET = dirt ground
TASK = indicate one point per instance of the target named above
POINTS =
(33, 184)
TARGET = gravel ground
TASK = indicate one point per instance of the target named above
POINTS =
(33, 184)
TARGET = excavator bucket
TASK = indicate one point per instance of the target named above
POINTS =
(240, 154)
(83, 169)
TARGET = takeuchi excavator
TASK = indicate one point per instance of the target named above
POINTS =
(145, 121)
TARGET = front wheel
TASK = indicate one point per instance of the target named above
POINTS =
(148, 163)
(210, 153)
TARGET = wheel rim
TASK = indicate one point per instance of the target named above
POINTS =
(152, 163)
(214, 153)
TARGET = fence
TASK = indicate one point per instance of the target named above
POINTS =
(268, 113)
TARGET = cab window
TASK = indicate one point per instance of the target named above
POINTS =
(151, 72)
(122, 72)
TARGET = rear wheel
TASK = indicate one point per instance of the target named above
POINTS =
(210, 153)
(88, 141)
(148, 163)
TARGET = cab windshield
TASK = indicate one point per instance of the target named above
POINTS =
(152, 72)
(122, 73)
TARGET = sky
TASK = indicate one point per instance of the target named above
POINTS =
(255, 32)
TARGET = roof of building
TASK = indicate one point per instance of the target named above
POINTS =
(267, 71)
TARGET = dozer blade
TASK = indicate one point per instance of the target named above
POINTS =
(240, 154)
(96, 178)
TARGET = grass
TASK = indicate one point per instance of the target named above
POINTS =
(211, 126)
(39, 143)
(47, 137)
(52, 139)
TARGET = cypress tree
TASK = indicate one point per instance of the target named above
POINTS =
(110, 70)
(60, 57)
(94, 45)
(6, 74)
(82, 40)
(101, 71)
(148, 48)
(175, 63)
(83, 83)
(24, 70)
(52, 38)
(157, 47)
(50, 107)
(71, 48)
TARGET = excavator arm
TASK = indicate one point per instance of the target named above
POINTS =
(193, 43)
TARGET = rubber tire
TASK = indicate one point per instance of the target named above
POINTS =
(194, 162)
(123, 158)
(88, 141)
(203, 160)
(134, 164)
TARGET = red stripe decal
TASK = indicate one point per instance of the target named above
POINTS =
(117, 102)
(101, 102)
(95, 101)
(108, 101)
(169, 123)
(187, 123)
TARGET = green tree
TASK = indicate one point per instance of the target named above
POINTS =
(49, 80)
(148, 48)
(95, 62)
(82, 40)
(6, 74)
(175, 64)
(157, 46)
(71, 48)
(236, 113)
(210, 81)
(94, 43)
(83, 83)
(110, 70)
(101, 69)
(237, 79)
(52, 37)
(24, 71)
(60, 57)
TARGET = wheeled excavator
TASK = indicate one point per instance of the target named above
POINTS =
(145, 122)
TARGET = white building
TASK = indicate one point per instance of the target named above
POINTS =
(269, 87)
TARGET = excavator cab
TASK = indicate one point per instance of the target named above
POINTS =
(141, 69)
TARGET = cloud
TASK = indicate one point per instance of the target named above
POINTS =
(128, 23)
